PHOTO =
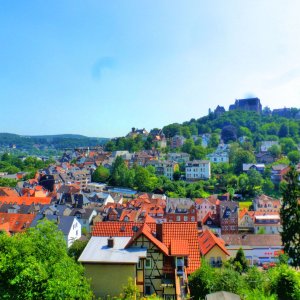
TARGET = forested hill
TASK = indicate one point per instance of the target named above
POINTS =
(229, 126)
(242, 123)
(58, 141)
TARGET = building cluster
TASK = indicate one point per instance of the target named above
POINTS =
(156, 240)
(254, 104)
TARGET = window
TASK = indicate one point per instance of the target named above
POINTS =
(193, 219)
(178, 218)
(148, 290)
(148, 263)
(140, 264)
(185, 218)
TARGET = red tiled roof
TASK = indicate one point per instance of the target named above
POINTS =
(184, 231)
(146, 231)
(208, 240)
(25, 200)
(6, 192)
(5, 227)
(208, 215)
(129, 215)
(17, 222)
(118, 228)
(179, 247)
(149, 219)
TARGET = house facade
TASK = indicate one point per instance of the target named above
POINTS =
(213, 248)
(197, 169)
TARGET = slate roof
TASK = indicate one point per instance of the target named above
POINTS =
(98, 251)
(64, 223)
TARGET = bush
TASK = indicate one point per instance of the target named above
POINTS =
(285, 282)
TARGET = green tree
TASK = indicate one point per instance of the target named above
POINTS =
(275, 151)
(242, 157)
(241, 259)
(77, 248)
(288, 145)
(130, 291)
(119, 173)
(268, 186)
(188, 146)
(8, 182)
(214, 140)
(285, 282)
(101, 174)
(144, 180)
(294, 156)
(255, 182)
(176, 175)
(243, 183)
(228, 280)
(35, 265)
(283, 130)
(203, 281)
(229, 133)
(290, 216)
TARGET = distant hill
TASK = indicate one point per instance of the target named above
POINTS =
(58, 141)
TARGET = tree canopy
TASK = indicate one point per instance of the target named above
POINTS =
(290, 216)
(35, 265)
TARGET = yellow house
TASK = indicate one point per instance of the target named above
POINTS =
(213, 249)
(109, 265)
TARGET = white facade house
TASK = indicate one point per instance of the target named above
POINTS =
(269, 224)
(197, 169)
(220, 155)
(96, 187)
(74, 232)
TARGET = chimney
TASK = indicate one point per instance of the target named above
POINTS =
(110, 242)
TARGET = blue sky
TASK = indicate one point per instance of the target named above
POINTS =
(99, 68)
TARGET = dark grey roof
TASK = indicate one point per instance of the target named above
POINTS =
(64, 223)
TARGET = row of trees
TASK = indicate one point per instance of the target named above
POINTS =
(12, 164)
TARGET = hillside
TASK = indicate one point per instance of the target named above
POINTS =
(59, 141)
(250, 124)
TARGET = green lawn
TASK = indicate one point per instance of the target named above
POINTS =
(245, 204)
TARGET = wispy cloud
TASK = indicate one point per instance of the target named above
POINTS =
(101, 64)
